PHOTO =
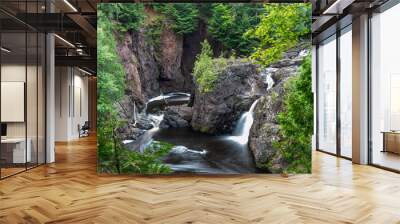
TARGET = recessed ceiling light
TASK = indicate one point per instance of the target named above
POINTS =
(86, 72)
(5, 50)
(337, 7)
(65, 41)
(70, 5)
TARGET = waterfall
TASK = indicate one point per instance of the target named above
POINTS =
(266, 74)
(134, 113)
(242, 130)
(166, 99)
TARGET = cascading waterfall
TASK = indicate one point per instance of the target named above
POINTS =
(242, 130)
(266, 74)
(134, 113)
(193, 151)
(155, 119)
(176, 98)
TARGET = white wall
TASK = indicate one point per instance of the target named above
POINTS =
(33, 126)
(71, 102)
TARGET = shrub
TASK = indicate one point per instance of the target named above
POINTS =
(182, 17)
(111, 85)
(281, 27)
(206, 68)
(228, 24)
(296, 121)
(126, 16)
(147, 162)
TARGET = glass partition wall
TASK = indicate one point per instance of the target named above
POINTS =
(327, 95)
(345, 62)
(22, 107)
(334, 93)
(385, 89)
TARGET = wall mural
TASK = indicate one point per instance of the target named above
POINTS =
(204, 88)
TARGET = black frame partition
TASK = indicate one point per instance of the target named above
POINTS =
(33, 44)
(337, 31)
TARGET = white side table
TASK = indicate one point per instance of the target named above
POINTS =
(19, 154)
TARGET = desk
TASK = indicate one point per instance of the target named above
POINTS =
(15, 148)
(391, 141)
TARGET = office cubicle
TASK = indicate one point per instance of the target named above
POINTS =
(22, 90)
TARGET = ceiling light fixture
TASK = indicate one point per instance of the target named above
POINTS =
(86, 72)
(65, 41)
(70, 5)
(5, 50)
(337, 7)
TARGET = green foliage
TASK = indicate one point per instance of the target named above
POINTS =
(206, 68)
(111, 85)
(281, 27)
(296, 121)
(153, 32)
(126, 16)
(182, 17)
(229, 23)
(147, 162)
(112, 156)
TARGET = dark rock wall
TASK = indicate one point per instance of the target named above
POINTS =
(265, 128)
(237, 87)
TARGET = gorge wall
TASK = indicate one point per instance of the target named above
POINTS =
(265, 129)
(237, 87)
(153, 69)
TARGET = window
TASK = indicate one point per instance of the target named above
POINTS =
(346, 92)
(385, 89)
(327, 95)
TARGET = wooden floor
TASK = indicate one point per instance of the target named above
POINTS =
(70, 191)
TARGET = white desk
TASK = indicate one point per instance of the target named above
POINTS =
(19, 154)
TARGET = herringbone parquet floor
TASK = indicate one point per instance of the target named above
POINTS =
(70, 191)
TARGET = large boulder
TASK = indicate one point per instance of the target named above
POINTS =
(237, 87)
(176, 117)
(265, 129)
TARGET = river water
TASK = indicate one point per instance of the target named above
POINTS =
(195, 152)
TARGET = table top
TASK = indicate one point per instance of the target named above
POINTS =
(13, 140)
(391, 132)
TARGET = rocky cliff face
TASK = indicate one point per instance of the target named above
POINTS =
(152, 70)
(141, 69)
(171, 77)
(192, 47)
(264, 130)
(237, 87)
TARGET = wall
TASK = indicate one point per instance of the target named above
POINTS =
(71, 102)
(33, 127)
(15, 72)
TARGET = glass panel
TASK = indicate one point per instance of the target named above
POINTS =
(13, 79)
(385, 84)
(31, 98)
(41, 99)
(327, 95)
(346, 92)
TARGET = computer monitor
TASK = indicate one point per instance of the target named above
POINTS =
(3, 129)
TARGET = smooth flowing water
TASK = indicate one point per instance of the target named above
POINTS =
(195, 152)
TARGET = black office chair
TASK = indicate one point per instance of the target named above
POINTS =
(84, 130)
